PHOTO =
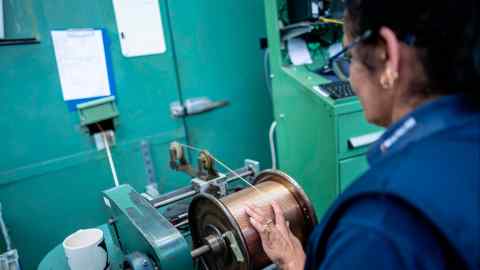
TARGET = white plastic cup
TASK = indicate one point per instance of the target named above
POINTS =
(86, 250)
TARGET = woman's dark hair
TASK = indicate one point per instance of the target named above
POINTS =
(446, 32)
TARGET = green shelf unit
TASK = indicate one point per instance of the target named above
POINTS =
(314, 132)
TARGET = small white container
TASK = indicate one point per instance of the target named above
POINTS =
(86, 250)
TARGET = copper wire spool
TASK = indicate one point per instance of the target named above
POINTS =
(209, 216)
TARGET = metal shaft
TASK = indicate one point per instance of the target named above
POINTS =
(187, 192)
(174, 199)
(200, 251)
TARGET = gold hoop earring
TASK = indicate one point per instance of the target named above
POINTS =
(392, 75)
(385, 83)
(388, 81)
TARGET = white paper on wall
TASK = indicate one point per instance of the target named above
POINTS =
(81, 63)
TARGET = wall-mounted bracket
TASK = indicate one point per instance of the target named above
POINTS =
(98, 118)
(96, 111)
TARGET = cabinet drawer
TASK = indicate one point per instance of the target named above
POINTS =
(355, 134)
(351, 169)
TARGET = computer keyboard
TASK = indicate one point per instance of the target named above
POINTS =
(338, 89)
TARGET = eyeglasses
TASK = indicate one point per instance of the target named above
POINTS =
(344, 54)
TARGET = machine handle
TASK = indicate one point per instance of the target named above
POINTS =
(364, 140)
(195, 106)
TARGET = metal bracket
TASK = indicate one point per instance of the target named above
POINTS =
(178, 161)
(139, 261)
(206, 166)
(9, 260)
(98, 138)
(97, 110)
(237, 252)
(253, 165)
(218, 185)
(151, 187)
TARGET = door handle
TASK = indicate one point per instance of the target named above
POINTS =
(194, 106)
(364, 140)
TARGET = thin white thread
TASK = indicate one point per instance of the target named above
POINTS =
(225, 166)
(110, 159)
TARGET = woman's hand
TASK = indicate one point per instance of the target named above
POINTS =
(278, 242)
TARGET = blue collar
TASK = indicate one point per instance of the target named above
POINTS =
(429, 118)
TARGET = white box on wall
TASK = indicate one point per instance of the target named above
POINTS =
(140, 28)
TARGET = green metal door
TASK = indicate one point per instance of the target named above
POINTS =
(51, 175)
(219, 56)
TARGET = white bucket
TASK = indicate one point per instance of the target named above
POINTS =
(86, 250)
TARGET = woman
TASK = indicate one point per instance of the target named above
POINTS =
(415, 68)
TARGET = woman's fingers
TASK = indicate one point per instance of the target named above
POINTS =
(261, 223)
(258, 226)
(280, 219)
(254, 213)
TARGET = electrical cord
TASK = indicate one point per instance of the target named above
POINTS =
(273, 151)
(330, 20)
(266, 72)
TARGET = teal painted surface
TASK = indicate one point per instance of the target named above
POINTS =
(51, 176)
(351, 169)
(219, 56)
(142, 228)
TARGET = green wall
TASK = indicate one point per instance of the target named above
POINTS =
(51, 175)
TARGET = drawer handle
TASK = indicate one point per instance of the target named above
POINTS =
(364, 140)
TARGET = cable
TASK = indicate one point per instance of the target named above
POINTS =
(273, 151)
(110, 160)
(3, 228)
(266, 71)
(329, 20)
(109, 155)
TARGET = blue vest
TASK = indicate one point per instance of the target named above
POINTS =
(427, 163)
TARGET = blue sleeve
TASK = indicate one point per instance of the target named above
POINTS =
(379, 234)
(358, 247)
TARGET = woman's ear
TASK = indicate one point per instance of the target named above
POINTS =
(390, 55)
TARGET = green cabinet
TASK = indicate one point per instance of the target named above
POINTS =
(321, 142)
(354, 134)
(350, 169)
